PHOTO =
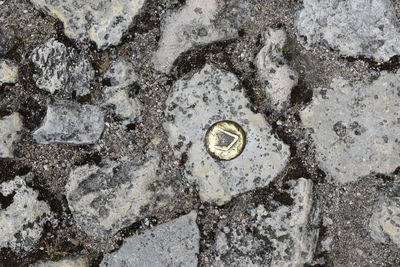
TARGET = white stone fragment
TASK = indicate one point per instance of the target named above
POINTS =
(61, 68)
(356, 127)
(9, 128)
(104, 199)
(198, 101)
(175, 243)
(68, 262)
(8, 71)
(277, 77)
(21, 223)
(101, 21)
(192, 25)
(67, 122)
(367, 28)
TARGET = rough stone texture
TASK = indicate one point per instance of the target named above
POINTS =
(22, 221)
(122, 76)
(70, 123)
(354, 27)
(105, 199)
(61, 68)
(175, 243)
(8, 71)
(192, 25)
(9, 128)
(385, 220)
(101, 21)
(69, 262)
(7, 39)
(197, 102)
(275, 235)
(277, 77)
(356, 128)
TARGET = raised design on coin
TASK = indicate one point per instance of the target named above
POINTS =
(225, 140)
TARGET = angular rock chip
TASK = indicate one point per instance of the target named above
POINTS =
(68, 262)
(9, 128)
(193, 25)
(197, 102)
(367, 28)
(356, 127)
(175, 243)
(70, 123)
(100, 21)
(8, 71)
(122, 76)
(385, 220)
(105, 199)
(7, 39)
(271, 234)
(21, 220)
(60, 68)
(277, 77)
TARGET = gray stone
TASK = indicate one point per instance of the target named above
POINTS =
(70, 123)
(384, 223)
(175, 243)
(198, 101)
(61, 68)
(277, 77)
(7, 39)
(105, 199)
(8, 71)
(122, 76)
(21, 223)
(271, 234)
(100, 21)
(356, 127)
(9, 128)
(192, 25)
(68, 262)
(367, 28)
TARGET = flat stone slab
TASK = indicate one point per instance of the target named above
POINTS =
(367, 28)
(277, 77)
(104, 199)
(175, 243)
(271, 234)
(8, 71)
(356, 127)
(101, 21)
(9, 134)
(198, 101)
(67, 122)
(21, 220)
(61, 68)
(190, 26)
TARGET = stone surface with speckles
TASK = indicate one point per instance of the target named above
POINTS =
(198, 101)
(9, 128)
(68, 262)
(8, 71)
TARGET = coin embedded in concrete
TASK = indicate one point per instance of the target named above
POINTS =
(225, 140)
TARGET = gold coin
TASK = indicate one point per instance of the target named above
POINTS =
(225, 140)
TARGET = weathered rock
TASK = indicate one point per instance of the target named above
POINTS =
(70, 123)
(277, 77)
(105, 199)
(68, 262)
(7, 39)
(356, 127)
(192, 25)
(101, 21)
(122, 76)
(9, 128)
(61, 68)
(175, 243)
(367, 28)
(197, 102)
(22, 220)
(271, 234)
(8, 71)
(385, 220)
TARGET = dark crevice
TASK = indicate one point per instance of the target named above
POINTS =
(6, 201)
(390, 65)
